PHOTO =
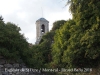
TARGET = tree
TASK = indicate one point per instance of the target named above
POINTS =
(60, 44)
(86, 16)
(58, 24)
(1, 18)
(12, 42)
(34, 57)
(76, 44)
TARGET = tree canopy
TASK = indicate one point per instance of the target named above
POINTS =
(12, 42)
(76, 44)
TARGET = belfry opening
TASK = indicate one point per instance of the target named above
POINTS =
(43, 28)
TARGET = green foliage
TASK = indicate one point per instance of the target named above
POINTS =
(40, 55)
(34, 57)
(12, 42)
(76, 44)
(60, 44)
(57, 24)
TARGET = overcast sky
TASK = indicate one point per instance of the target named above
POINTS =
(24, 13)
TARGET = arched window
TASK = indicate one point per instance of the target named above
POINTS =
(43, 28)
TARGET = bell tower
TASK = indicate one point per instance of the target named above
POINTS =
(42, 27)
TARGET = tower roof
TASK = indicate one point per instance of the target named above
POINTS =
(42, 19)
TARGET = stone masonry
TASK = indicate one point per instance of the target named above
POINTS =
(9, 67)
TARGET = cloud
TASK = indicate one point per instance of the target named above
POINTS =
(24, 13)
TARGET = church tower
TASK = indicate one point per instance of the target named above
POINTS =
(42, 27)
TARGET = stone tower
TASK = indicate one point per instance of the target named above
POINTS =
(42, 27)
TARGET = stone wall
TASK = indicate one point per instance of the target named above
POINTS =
(9, 67)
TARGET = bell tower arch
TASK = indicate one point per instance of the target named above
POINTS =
(42, 27)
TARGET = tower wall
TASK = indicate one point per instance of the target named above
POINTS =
(39, 32)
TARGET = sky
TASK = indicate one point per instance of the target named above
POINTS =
(24, 13)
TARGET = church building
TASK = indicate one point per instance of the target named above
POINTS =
(42, 27)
